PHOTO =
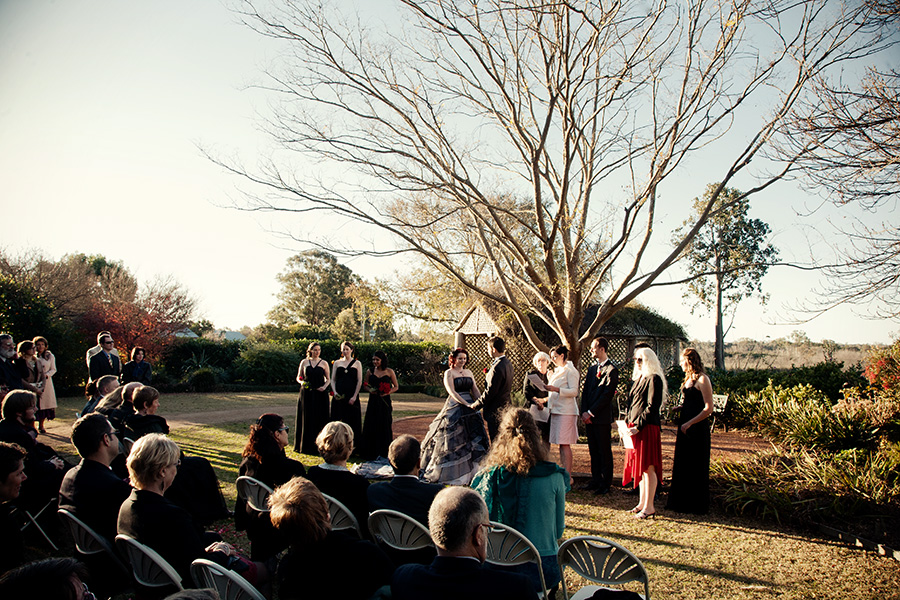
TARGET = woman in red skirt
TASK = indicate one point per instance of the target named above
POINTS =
(646, 398)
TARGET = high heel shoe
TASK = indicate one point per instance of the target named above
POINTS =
(635, 510)
(643, 515)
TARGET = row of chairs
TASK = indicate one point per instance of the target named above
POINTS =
(151, 570)
(594, 558)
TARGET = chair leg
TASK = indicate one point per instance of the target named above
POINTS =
(34, 522)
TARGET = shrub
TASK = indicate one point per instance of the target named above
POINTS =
(194, 353)
(883, 369)
(205, 379)
(828, 377)
(267, 364)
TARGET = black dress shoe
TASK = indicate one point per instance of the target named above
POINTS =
(601, 491)
(590, 486)
(632, 491)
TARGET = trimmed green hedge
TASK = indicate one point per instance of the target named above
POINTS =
(827, 377)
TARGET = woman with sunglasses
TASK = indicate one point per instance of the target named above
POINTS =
(264, 459)
(645, 399)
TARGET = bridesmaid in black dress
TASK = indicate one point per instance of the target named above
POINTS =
(312, 407)
(689, 492)
(346, 379)
(377, 432)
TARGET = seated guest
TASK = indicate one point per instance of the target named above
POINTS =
(198, 594)
(137, 369)
(147, 516)
(265, 460)
(96, 390)
(45, 469)
(91, 491)
(146, 403)
(405, 492)
(516, 479)
(12, 474)
(321, 562)
(335, 443)
(94, 493)
(196, 487)
(56, 578)
(456, 520)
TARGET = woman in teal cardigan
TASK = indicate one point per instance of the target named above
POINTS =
(524, 490)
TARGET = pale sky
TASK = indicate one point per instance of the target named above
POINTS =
(103, 105)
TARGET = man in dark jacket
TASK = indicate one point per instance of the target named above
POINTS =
(497, 387)
(457, 519)
(597, 404)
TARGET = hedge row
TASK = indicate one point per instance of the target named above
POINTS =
(204, 365)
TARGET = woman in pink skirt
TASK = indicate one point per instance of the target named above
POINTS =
(646, 398)
(563, 388)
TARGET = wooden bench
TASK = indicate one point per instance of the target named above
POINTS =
(720, 402)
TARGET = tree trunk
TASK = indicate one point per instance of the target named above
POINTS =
(720, 331)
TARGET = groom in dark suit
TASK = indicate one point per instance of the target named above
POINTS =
(597, 413)
(497, 387)
(457, 521)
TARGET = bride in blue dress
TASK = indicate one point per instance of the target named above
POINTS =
(456, 442)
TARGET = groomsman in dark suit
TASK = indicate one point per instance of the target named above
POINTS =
(597, 404)
(105, 362)
(498, 386)
(405, 492)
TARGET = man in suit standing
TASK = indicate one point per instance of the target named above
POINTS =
(95, 349)
(105, 362)
(404, 493)
(457, 521)
(498, 386)
(597, 413)
(91, 491)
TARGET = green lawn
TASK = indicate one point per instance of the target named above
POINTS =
(716, 556)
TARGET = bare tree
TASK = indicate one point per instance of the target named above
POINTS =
(524, 148)
(850, 131)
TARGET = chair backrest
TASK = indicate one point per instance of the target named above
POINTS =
(341, 517)
(601, 561)
(720, 403)
(255, 492)
(128, 443)
(398, 530)
(29, 519)
(148, 567)
(230, 585)
(88, 541)
(507, 546)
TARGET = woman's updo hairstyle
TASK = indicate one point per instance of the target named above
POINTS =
(262, 443)
(456, 352)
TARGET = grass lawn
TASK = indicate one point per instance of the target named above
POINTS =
(714, 556)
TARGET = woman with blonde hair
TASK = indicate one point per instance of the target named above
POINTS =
(689, 492)
(526, 491)
(335, 444)
(147, 516)
(647, 394)
(322, 562)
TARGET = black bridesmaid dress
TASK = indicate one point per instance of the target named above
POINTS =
(377, 432)
(689, 492)
(345, 380)
(312, 409)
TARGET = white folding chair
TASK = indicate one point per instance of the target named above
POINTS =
(601, 561)
(399, 531)
(127, 443)
(88, 541)
(147, 566)
(341, 517)
(254, 492)
(230, 585)
(507, 546)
